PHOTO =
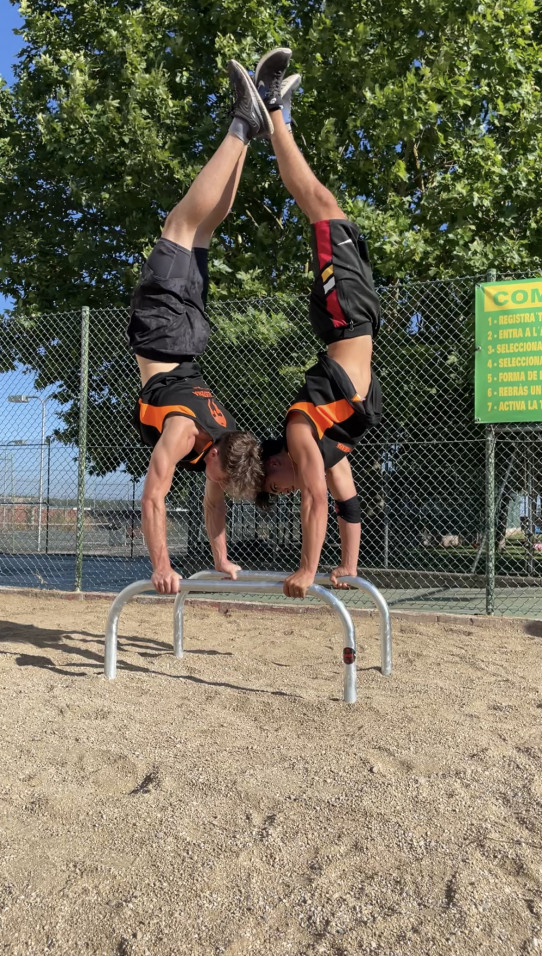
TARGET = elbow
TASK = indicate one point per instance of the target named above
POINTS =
(214, 505)
(209, 506)
(149, 503)
(316, 500)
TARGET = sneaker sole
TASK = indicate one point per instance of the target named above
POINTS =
(290, 84)
(280, 49)
(266, 123)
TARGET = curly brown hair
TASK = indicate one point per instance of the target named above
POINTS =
(240, 456)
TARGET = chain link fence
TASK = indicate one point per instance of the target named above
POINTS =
(71, 470)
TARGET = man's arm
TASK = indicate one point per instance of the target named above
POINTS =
(214, 507)
(341, 485)
(176, 441)
(312, 481)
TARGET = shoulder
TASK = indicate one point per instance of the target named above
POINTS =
(176, 424)
(178, 436)
(301, 439)
(299, 427)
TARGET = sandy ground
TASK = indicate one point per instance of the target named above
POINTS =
(231, 803)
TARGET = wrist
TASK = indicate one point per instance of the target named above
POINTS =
(348, 562)
(308, 568)
(219, 556)
(162, 567)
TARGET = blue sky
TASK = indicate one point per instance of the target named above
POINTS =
(9, 43)
(18, 420)
(23, 421)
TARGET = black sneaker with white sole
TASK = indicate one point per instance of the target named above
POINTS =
(248, 106)
(289, 86)
(269, 76)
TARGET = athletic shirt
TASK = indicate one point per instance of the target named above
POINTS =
(328, 400)
(182, 391)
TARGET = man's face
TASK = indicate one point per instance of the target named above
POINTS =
(280, 477)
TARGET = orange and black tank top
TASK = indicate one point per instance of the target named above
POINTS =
(182, 391)
(329, 401)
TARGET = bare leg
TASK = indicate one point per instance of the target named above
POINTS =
(205, 230)
(318, 204)
(209, 198)
(314, 199)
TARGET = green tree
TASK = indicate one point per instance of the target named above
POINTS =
(435, 115)
(424, 118)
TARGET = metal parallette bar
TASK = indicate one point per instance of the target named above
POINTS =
(112, 626)
(323, 579)
(228, 587)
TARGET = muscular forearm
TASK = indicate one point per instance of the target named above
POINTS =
(313, 528)
(350, 533)
(215, 524)
(153, 522)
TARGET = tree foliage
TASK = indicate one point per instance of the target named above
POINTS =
(422, 116)
(445, 142)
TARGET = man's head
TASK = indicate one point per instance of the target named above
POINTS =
(235, 463)
(280, 473)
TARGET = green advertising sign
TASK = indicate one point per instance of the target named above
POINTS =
(508, 356)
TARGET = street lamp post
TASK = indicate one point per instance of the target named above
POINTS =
(23, 400)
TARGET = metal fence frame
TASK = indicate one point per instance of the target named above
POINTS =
(449, 301)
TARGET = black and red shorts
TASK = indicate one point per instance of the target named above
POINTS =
(343, 302)
(168, 320)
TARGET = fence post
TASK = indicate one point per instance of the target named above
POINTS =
(529, 519)
(48, 495)
(491, 514)
(82, 461)
(132, 522)
(490, 519)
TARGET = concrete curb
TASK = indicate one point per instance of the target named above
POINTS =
(410, 617)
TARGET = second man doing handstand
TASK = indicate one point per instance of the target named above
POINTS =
(341, 396)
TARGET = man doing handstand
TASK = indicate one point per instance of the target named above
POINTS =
(176, 412)
(341, 396)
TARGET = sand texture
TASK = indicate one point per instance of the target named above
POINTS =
(232, 803)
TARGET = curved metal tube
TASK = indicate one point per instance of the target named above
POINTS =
(227, 587)
(323, 579)
(112, 626)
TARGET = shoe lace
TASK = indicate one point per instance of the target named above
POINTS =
(275, 84)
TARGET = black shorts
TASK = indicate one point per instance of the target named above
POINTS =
(168, 321)
(343, 303)
(340, 419)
